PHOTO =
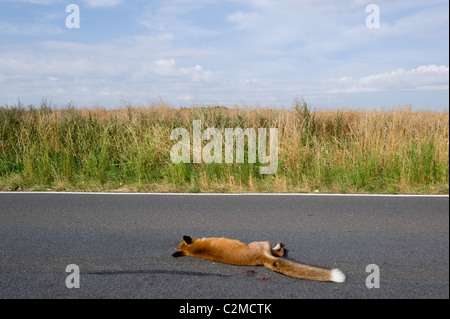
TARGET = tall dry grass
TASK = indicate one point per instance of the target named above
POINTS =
(389, 151)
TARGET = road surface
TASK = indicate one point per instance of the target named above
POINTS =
(122, 245)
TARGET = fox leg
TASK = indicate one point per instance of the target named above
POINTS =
(278, 250)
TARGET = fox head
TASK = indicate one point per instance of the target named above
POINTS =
(182, 249)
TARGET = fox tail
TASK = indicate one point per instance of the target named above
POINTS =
(292, 269)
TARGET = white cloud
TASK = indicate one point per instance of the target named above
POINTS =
(44, 2)
(102, 3)
(30, 29)
(317, 28)
(246, 20)
(89, 3)
(165, 67)
(425, 77)
(174, 16)
(31, 64)
(197, 74)
(333, 5)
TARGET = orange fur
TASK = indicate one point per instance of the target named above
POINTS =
(235, 252)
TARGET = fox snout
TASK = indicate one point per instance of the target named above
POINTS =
(178, 253)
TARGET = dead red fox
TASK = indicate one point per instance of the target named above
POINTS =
(234, 252)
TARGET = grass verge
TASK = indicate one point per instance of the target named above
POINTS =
(128, 149)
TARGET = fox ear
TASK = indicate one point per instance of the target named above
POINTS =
(178, 253)
(188, 239)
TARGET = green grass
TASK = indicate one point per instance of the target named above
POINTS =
(128, 149)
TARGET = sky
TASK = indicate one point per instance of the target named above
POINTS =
(334, 54)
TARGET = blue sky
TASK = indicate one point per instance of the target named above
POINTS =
(226, 52)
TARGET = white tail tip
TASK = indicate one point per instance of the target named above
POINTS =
(337, 275)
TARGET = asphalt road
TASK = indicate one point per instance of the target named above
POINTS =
(122, 245)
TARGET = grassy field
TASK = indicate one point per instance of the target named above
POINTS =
(128, 149)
